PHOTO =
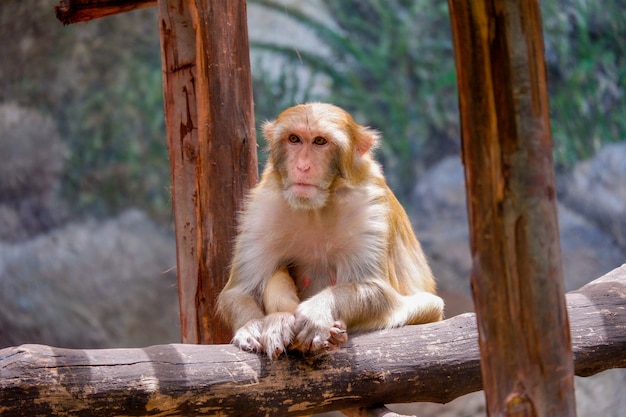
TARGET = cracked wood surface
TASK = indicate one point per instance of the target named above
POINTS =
(435, 362)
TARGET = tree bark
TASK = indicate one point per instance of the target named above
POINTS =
(517, 276)
(178, 62)
(74, 11)
(435, 362)
(211, 139)
(228, 165)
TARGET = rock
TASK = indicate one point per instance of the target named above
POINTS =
(32, 159)
(12, 228)
(596, 188)
(440, 194)
(601, 394)
(587, 251)
(440, 218)
(91, 285)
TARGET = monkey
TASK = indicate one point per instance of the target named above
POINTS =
(323, 246)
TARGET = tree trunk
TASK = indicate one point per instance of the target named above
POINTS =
(507, 150)
(211, 139)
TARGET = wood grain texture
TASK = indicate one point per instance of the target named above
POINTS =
(212, 147)
(517, 277)
(434, 362)
(227, 147)
(75, 11)
(178, 63)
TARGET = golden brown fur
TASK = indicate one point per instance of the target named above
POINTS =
(323, 244)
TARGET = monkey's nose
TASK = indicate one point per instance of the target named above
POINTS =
(302, 167)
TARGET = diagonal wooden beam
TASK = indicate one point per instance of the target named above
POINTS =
(74, 11)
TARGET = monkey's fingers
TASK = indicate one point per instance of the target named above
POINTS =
(312, 328)
(277, 333)
(274, 347)
(304, 341)
(248, 337)
(249, 344)
(338, 334)
(310, 339)
(305, 332)
(316, 341)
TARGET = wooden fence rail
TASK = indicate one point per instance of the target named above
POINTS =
(435, 362)
(75, 11)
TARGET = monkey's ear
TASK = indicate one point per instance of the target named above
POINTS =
(268, 129)
(366, 139)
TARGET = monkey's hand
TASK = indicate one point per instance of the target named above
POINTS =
(277, 333)
(315, 330)
(248, 336)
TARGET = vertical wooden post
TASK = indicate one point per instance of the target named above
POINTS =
(527, 362)
(211, 140)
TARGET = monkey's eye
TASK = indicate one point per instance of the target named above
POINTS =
(320, 141)
(293, 139)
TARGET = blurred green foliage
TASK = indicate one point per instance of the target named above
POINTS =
(120, 155)
(273, 93)
(390, 63)
(101, 82)
(586, 59)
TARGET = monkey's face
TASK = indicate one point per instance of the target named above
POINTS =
(308, 169)
(313, 148)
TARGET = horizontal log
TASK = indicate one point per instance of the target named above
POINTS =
(75, 11)
(434, 362)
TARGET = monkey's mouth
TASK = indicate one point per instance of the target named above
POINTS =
(302, 189)
(305, 196)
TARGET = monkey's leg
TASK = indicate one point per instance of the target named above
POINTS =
(280, 293)
(419, 308)
(367, 305)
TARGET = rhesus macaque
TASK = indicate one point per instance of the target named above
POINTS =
(324, 247)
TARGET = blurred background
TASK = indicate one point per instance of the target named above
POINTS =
(87, 256)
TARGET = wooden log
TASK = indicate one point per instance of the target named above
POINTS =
(211, 140)
(75, 11)
(434, 362)
(517, 277)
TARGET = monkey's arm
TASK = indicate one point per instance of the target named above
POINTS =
(262, 328)
(241, 299)
(238, 308)
(254, 330)
(365, 305)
